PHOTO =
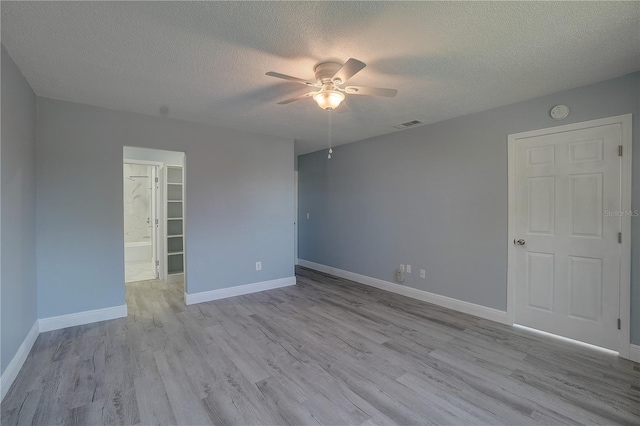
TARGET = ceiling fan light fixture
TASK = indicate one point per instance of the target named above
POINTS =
(328, 99)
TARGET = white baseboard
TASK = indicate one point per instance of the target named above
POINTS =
(447, 302)
(223, 293)
(80, 318)
(634, 353)
(12, 370)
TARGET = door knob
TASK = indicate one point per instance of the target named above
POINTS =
(519, 242)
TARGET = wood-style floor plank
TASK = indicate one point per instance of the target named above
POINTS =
(326, 351)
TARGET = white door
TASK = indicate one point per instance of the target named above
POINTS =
(567, 255)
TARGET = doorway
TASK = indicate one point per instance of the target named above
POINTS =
(154, 208)
(295, 218)
(569, 231)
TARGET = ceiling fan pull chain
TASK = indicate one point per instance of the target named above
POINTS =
(329, 137)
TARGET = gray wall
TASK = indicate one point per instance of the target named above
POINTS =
(239, 210)
(435, 197)
(18, 210)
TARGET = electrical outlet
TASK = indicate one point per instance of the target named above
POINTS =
(307, 215)
(408, 269)
(402, 268)
(258, 266)
(422, 273)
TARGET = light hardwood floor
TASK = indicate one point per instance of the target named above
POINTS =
(327, 351)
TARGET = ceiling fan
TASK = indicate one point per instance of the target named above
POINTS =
(329, 78)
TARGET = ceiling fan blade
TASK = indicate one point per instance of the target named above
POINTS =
(370, 91)
(349, 69)
(288, 77)
(297, 98)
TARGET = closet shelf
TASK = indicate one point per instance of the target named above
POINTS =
(175, 248)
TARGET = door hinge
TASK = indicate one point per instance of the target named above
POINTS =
(620, 237)
(619, 324)
(620, 150)
(157, 263)
(156, 179)
(157, 221)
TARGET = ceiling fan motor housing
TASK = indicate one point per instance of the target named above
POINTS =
(325, 71)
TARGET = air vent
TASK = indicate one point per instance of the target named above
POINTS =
(407, 124)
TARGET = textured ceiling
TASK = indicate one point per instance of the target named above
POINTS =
(206, 61)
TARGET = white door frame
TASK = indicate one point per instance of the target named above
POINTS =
(295, 218)
(625, 122)
(154, 218)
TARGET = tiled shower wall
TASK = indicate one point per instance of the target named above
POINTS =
(137, 203)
